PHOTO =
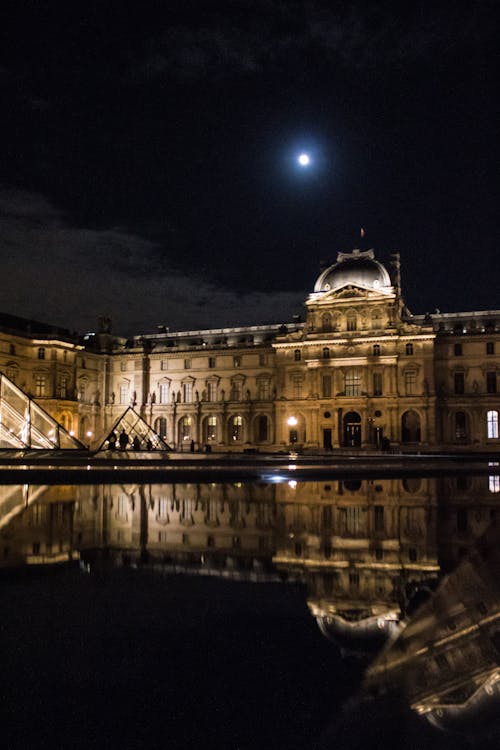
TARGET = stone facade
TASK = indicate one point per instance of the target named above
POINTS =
(360, 372)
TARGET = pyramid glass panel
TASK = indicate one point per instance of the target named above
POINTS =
(131, 432)
(24, 424)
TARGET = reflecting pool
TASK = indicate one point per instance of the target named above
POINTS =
(280, 614)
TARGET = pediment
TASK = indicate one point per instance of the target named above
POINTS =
(353, 292)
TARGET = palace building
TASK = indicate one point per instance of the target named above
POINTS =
(360, 372)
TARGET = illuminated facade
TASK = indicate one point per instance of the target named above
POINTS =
(360, 372)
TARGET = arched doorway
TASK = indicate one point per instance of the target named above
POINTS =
(209, 429)
(352, 430)
(410, 427)
(185, 431)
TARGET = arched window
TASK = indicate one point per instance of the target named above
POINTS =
(326, 352)
(326, 322)
(262, 428)
(161, 427)
(492, 424)
(409, 349)
(185, 429)
(460, 425)
(236, 429)
(211, 429)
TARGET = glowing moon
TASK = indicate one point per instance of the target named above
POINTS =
(304, 160)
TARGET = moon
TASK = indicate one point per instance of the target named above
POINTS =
(304, 160)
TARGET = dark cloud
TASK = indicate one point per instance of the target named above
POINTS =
(69, 275)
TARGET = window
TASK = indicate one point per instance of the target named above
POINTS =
(40, 386)
(12, 349)
(211, 428)
(187, 364)
(123, 393)
(185, 429)
(161, 427)
(187, 393)
(410, 382)
(409, 349)
(326, 322)
(41, 353)
(262, 360)
(212, 391)
(352, 323)
(63, 386)
(376, 320)
(262, 428)
(490, 347)
(379, 517)
(457, 350)
(297, 386)
(326, 353)
(65, 356)
(162, 508)
(377, 383)
(164, 365)
(353, 383)
(123, 366)
(491, 382)
(296, 355)
(236, 428)
(459, 382)
(211, 362)
(460, 425)
(376, 350)
(236, 390)
(326, 386)
(237, 361)
(263, 389)
(163, 391)
(492, 424)
(494, 483)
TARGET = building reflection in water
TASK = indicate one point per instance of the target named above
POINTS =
(370, 553)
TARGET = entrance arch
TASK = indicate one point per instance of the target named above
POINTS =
(410, 427)
(352, 430)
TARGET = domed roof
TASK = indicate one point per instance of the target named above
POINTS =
(358, 268)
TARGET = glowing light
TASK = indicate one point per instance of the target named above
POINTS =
(292, 421)
(304, 160)
(292, 484)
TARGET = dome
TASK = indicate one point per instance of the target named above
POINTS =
(358, 268)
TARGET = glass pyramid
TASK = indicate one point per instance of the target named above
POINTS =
(24, 424)
(130, 432)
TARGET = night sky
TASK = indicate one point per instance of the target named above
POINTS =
(149, 168)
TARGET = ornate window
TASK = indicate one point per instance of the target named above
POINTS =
(236, 390)
(326, 322)
(491, 382)
(163, 391)
(326, 386)
(236, 429)
(352, 383)
(187, 392)
(352, 322)
(459, 383)
(492, 424)
(263, 389)
(212, 387)
(410, 382)
(211, 428)
(460, 425)
(377, 384)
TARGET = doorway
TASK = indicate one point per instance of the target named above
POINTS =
(352, 430)
(327, 439)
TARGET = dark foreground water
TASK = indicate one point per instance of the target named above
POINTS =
(285, 615)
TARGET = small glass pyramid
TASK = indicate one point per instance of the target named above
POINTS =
(24, 424)
(131, 433)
